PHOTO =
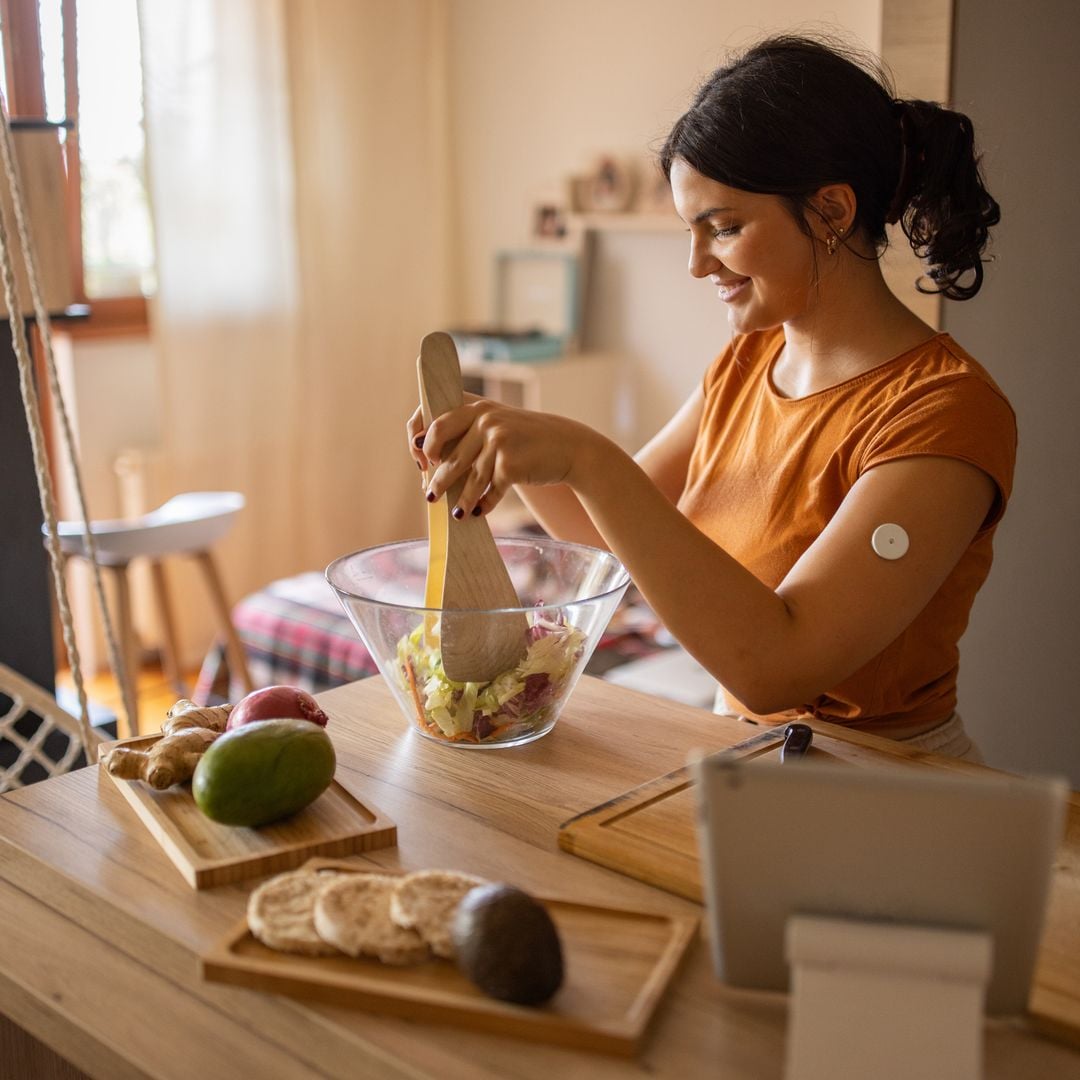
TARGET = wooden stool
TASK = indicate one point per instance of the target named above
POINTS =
(186, 525)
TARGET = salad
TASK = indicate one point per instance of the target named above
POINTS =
(514, 704)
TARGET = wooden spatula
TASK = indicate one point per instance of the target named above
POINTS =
(476, 647)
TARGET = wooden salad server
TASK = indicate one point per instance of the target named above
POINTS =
(478, 643)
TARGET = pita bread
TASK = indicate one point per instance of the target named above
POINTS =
(426, 902)
(281, 912)
(353, 913)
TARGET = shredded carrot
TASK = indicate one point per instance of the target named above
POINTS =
(411, 676)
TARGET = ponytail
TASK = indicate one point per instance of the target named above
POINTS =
(941, 201)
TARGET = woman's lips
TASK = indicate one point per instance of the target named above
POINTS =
(728, 290)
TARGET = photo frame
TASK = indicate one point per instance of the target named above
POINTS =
(608, 187)
(549, 222)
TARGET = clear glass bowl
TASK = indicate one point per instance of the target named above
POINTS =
(568, 594)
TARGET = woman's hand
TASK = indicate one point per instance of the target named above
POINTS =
(489, 447)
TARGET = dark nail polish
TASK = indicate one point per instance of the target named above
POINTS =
(458, 513)
(430, 496)
(476, 511)
(418, 442)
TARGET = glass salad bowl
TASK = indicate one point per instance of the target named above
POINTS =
(568, 593)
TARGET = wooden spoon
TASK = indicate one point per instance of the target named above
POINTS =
(477, 645)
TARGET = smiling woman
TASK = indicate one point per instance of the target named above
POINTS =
(747, 522)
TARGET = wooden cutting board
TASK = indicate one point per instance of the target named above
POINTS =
(339, 822)
(650, 833)
(618, 965)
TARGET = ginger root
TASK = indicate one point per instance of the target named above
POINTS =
(187, 732)
(186, 714)
(171, 760)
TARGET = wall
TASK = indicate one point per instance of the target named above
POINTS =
(560, 82)
(1020, 653)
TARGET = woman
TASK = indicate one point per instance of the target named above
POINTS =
(815, 521)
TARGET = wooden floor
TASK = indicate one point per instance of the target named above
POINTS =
(155, 693)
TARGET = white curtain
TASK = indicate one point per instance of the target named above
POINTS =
(297, 160)
(370, 130)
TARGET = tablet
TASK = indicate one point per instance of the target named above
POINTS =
(903, 845)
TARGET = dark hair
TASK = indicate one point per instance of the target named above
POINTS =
(792, 114)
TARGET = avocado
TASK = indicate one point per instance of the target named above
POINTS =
(507, 945)
(263, 771)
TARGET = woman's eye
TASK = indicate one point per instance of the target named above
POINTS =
(726, 230)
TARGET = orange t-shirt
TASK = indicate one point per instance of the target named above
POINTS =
(768, 473)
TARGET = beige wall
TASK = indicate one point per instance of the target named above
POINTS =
(538, 90)
(1016, 77)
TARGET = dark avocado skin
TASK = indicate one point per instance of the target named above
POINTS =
(264, 771)
(507, 945)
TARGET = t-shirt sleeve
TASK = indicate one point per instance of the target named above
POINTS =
(965, 418)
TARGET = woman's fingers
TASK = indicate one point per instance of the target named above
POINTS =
(477, 482)
(426, 446)
(414, 432)
(453, 463)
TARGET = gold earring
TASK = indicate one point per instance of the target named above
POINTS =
(832, 241)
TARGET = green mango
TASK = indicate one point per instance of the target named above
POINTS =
(263, 772)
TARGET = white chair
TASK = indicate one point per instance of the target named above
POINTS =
(186, 525)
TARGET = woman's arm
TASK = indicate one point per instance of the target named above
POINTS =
(839, 606)
(664, 459)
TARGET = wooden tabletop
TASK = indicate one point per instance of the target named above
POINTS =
(101, 934)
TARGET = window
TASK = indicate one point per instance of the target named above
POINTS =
(79, 61)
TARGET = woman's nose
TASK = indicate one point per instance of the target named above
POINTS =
(702, 261)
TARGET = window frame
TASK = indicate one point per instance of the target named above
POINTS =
(108, 317)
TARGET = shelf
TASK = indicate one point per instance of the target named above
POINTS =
(579, 385)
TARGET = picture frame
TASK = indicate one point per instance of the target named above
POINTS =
(608, 187)
(548, 222)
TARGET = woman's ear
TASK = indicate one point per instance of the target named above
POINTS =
(835, 205)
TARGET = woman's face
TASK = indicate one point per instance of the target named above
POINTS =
(750, 247)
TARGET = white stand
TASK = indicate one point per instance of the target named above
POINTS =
(885, 1001)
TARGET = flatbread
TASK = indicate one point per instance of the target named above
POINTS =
(426, 902)
(353, 914)
(281, 912)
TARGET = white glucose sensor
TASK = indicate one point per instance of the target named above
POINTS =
(889, 541)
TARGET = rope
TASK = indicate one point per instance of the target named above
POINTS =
(32, 408)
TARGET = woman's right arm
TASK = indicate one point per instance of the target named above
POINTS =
(665, 459)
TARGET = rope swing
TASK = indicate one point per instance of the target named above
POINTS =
(17, 687)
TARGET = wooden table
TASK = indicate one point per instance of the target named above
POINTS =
(101, 934)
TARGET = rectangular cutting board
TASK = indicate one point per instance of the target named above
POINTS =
(618, 964)
(339, 822)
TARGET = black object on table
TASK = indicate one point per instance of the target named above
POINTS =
(797, 740)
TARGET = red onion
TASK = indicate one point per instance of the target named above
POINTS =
(276, 703)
